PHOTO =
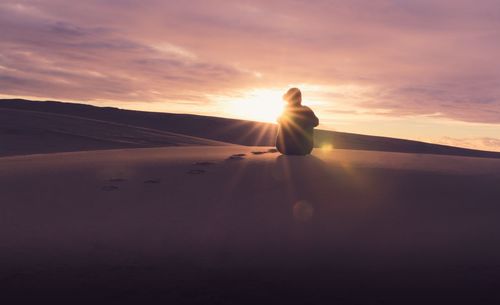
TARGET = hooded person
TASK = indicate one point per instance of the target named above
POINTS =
(296, 125)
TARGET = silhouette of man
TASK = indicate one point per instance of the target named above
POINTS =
(296, 124)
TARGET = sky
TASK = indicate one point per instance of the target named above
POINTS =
(425, 70)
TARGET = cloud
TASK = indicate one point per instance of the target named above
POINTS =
(484, 143)
(56, 58)
(174, 50)
(406, 58)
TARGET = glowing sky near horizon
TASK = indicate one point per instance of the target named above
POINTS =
(425, 70)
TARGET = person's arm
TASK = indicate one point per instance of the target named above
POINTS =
(312, 119)
(315, 120)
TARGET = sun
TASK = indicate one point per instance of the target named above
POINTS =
(263, 105)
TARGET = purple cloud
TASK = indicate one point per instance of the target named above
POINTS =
(436, 58)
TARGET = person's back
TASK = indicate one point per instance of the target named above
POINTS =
(296, 124)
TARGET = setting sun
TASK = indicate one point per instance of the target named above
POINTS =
(258, 105)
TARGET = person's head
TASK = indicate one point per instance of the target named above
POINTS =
(293, 97)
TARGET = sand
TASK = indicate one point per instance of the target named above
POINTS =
(25, 132)
(241, 225)
(108, 204)
(21, 134)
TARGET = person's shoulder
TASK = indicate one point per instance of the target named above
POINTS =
(307, 109)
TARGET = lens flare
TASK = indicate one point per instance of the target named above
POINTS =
(303, 211)
(326, 147)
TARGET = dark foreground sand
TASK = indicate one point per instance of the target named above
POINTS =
(190, 226)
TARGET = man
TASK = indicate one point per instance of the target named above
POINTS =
(296, 124)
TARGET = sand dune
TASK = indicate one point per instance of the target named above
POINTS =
(202, 221)
(31, 132)
(234, 224)
(234, 131)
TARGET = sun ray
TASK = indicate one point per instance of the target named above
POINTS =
(263, 105)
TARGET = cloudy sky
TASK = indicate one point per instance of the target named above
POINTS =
(426, 70)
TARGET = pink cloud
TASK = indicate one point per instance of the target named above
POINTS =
(418, 57)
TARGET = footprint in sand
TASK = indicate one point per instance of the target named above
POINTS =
(200, 171)
(117, 180)
(109, 188)
(204, 163)
(260, 152)
(236, 157)
(152, 181)
(196, 171)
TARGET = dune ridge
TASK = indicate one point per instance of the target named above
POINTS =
(233, 131)
(32, 132)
